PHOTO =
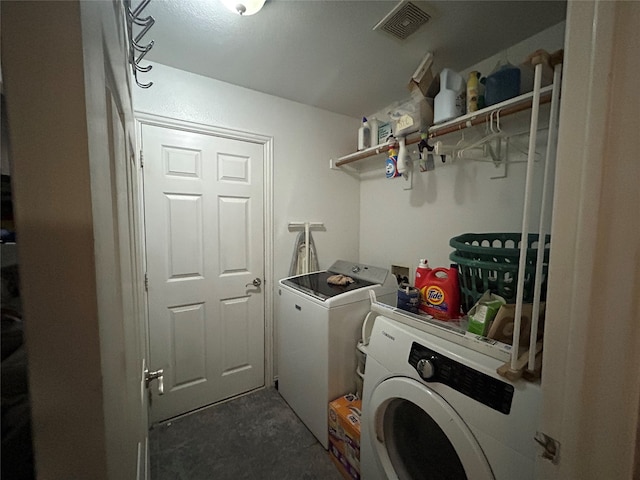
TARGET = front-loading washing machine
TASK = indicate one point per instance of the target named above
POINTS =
(433, 409)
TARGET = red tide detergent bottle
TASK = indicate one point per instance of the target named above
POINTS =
(440, 293)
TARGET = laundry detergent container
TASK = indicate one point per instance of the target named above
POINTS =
(502, 85)
(451, 101)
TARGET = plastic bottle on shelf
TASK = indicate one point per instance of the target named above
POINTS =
(473, 91)
(450, 102)
(481, 102)
(502, 84)
(373, 127)
(404, 160)
(392, 160)
(364, 135)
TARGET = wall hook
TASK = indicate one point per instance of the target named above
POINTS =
(134, 18)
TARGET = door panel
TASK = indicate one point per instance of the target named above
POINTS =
(185, 256)
(128, 268)
(234, 252)
(237, 332)
(204, 235)
(187, 344)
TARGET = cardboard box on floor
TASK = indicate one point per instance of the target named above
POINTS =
(344, 435)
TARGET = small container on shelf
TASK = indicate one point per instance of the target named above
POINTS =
(502, 85)
(450, 101)
(473, 91)
(411, 116)
(364, 135)
(384, 132)
(374, 125)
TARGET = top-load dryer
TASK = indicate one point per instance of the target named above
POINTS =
(318, 328)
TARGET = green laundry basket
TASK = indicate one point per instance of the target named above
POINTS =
(489, 261)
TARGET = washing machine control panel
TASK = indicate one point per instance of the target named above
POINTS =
(435, 367)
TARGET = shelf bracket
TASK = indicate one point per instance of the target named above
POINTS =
(503, 170)
(503, 159)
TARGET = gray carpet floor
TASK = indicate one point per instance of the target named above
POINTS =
(256, 436)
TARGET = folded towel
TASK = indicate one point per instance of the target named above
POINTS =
(341, 280)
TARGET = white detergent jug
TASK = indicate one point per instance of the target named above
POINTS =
(450, 102)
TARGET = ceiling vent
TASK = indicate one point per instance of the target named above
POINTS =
(403, 20)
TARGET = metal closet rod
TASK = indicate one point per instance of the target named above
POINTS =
(484, 117)
(371, 151)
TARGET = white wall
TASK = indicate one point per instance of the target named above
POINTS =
(304, 187)
(401, 226)
(46, 107)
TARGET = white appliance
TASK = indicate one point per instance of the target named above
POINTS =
(435, 409)
(318, 327)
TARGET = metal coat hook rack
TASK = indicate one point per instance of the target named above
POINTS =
(137, 51)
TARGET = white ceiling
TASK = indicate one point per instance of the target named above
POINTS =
(324, 52)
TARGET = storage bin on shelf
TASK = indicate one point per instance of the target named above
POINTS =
(490, 261)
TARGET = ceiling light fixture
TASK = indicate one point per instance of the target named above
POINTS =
(244, 7)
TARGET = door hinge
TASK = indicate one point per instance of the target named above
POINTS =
(146, 282)
(550, 447)
(141, 159)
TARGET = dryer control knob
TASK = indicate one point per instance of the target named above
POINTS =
(425, 368)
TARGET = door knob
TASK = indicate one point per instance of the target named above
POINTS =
(157, 375)
(256, 282)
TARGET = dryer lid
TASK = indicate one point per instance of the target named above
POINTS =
(315, 284)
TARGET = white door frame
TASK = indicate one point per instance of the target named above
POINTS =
(145, 118)
(591, 366)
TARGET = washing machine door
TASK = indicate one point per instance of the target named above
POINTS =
(417, 435)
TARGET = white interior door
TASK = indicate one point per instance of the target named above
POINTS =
(128, 230)
(203, 197)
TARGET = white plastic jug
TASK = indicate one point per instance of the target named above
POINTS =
(450, 102)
